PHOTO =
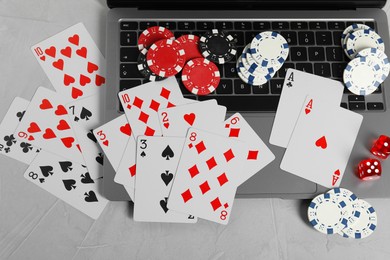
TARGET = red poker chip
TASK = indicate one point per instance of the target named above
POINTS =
(200, 76)
(166, 58)
(190, 45)
(152, 35)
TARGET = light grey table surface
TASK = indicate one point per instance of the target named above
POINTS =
(36, 225)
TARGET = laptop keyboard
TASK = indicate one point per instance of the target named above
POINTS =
(314, 47)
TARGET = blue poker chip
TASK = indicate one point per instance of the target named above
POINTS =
(380, 57)
(365, 225)
(269, 50)
(326, 214)
(249, 78)
(362, 76)
(252, 66)
(350, 29)
(363, 39)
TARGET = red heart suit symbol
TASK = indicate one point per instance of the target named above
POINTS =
(63, 125)
(126, 129)
(51, 51)
(91, 67)
(60, 110)
(76, 93)
(68, 80)
(43, 58)
(74, 39)
(166, 125)
(307, 111)
(99, 80)
(84, 80)
(59, 64)
(67, 52)
(82, 52)
(322, 142)
(190, 118)
(45, 104)
(34, 128)
(67, 141)
(49, 134)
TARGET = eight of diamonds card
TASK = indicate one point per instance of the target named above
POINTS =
(68, 181)
(9, 145)
(157, 159)
(73, 63)
(46, 125)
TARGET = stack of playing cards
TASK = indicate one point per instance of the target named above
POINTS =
(319, 134)
(180, 159)
(53, 132)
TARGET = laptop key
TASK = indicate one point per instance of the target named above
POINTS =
(186, 25)
(126, 84)
(316, 54)
(306, 38)
(129, 54)
(355, 98)
(298, 54)
(322, 69)
(180, 33)
(378, 90)
(357, 106)
(334, 54)
(242, 26)
(317, 25)
(128, 38)
(129, 71)
(129, 26)
(276, 86)
(305, 67)
(145, 25)
(352, 22)
(291, 37)
(299, 25)
(190, 97)
(338, 69)
(198, 33)
(280, 25)
(225, 87)
(246, 103)
(241, 88)
(224, 25)
(324, 38)
(284, 68)
(261, 25)
(205, 25)
(262, 89)
(250, 35)
(336, 25)
(375, 105)
(344, 105)
(337, 38)
(168, 25)
(239, 37)
(371, 25)
(230, 70)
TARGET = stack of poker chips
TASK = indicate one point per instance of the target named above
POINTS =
(339, 211)
(369, 66)
(262, 58)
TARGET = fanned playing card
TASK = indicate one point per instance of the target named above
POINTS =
(46, 125)
(68, 181)
(297, 85)
(204, 184)
(142, 103)
(9, 145)
(322, 142)
(72, 62)
(157, 159)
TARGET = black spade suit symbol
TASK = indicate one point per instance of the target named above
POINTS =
(46, 170)
(90, 196)
(66, 166)
(163, 204)
(166, 177)
(85, 114)
(86, 178)
(91, 136)
(167, 153)
(69, 184)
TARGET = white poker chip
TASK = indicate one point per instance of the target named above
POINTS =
(269, 50)
(350, 29)
(363, 39)
(365, 225)
(326, 214)
(252, 66)
(380, 57)
(350, 200)
(362, 76)
(249, 78)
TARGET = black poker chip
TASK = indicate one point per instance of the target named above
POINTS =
(144, 68)
(218, 46)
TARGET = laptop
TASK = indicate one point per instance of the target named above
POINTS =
(312, 29)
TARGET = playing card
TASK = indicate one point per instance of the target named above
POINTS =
(46, 125)
(9, 145)
(206, 115)
(85, 115)
(113, 137)
(157, 159)
(67, 181)
(142, 103)
(322, 142)
(258, 154)
(204, 185)
(297, 85)
(72, 62)
(129, 191)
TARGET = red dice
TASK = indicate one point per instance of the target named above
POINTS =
(381, 147)
(369, 169)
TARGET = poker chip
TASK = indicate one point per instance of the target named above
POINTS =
(380, 57)
(249, 78)
(326, 213)
(200, 76)
(144, 68)
(363, 39)
(362, 76)
(365, 225)
(217, 46)
(269, 49)
(251, 65)
(190, 44)
(350, 29)
(350, 200)
(166, 58)
(152, 35)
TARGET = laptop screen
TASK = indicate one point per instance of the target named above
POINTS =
(247, 4)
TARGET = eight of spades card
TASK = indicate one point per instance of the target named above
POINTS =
(157, 159)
